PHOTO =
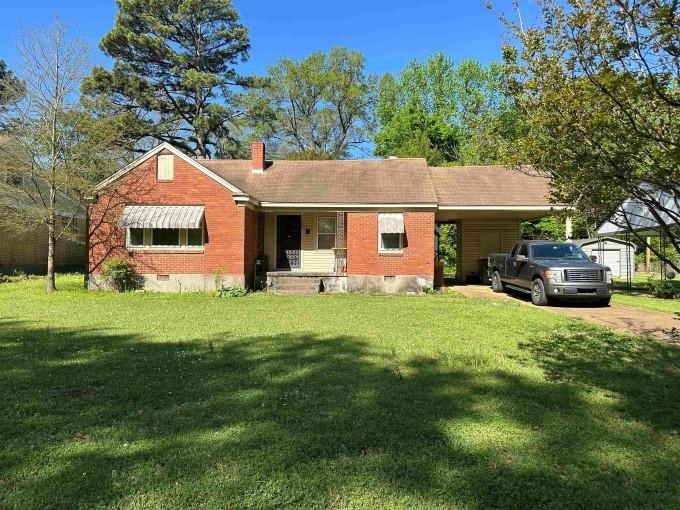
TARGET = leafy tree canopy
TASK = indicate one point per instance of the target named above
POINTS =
(598, 82)
(315, 108)
(173, 72)
(445, 113)
(11, 87)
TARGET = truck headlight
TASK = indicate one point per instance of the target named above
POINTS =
(555, 276)
(608, 276)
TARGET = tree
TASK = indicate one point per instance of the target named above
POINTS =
(598, 83)
(54, 150)
(11, 87)
(444, 113)
(317, 108)
(173, 71)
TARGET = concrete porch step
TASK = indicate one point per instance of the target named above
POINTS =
(296, 286)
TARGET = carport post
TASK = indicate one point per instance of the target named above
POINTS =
(648, 255)
(568, 228)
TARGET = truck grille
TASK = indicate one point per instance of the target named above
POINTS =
(583, 275)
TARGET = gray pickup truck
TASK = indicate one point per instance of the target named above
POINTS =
(551, 270)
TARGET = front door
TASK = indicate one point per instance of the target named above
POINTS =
(288, 241)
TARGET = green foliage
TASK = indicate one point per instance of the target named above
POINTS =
(663, 289)
(448, 247)
(173, 70)
(120, 274)
(233, 291)
(597, 84)
(11, 87)
(444, 113)
(553, 226)
(315, 108)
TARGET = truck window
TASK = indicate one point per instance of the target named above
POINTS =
(513, 252)
(523, 250)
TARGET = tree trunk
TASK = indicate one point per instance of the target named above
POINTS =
(51, 242)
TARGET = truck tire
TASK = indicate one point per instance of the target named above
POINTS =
(496, 282)
(538, 295)
(604, 302)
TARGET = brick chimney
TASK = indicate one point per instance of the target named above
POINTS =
(257, 157)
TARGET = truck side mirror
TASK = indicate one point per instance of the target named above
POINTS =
(593, 258)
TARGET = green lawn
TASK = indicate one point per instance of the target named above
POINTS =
(331, 401)
(638, 295)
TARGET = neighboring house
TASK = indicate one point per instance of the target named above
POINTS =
(26, 250)
(188, 224)
(618, 254)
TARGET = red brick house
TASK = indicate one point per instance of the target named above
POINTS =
(189, 224)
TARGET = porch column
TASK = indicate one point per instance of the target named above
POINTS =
(340, 248)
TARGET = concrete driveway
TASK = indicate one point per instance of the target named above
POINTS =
(628, 319)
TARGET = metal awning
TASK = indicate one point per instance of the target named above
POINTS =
(391, 223)
(162, 216)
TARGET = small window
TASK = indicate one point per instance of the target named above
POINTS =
(391, 242)
(136, 237)
(166, 167)
(523, 250)
(165, 237)
(326, 233)
(195, 237)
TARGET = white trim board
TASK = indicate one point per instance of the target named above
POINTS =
(503, 207)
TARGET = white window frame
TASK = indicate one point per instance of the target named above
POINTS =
(382, 249)
(148, 241)
(335, 233)
(170, 168)
(186, 237)
(128, 239)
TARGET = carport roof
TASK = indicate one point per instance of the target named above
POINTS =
(490, 186)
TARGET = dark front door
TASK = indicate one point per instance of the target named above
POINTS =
(288, 237)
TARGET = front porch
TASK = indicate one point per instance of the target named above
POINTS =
(310, 242)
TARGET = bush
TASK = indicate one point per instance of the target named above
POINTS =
(120, 274)
(233, 291)
(663, 289)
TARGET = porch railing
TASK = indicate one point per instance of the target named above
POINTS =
(340, 248)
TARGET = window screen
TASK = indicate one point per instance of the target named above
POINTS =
(326, 233)
(195, 237)
(165, 237)
(136, 237)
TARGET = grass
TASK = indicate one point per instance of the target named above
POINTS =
(332, 401)
(638, 295)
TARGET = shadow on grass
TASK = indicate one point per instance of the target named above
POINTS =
(97, 419)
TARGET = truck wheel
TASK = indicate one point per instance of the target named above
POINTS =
(538, 296)
(604, 302)
(496, 282)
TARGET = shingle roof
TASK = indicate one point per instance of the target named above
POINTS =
(490, 186)
(387, 181)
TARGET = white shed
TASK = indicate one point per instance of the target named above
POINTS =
(618, 254)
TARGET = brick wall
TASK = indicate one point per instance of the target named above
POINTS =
(225, 222)
(417, 257)
(27, 250)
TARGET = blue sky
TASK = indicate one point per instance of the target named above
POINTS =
(389, 33)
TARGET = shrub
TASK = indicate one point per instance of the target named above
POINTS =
(663, 289)
(120, 274)
(233, 291)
